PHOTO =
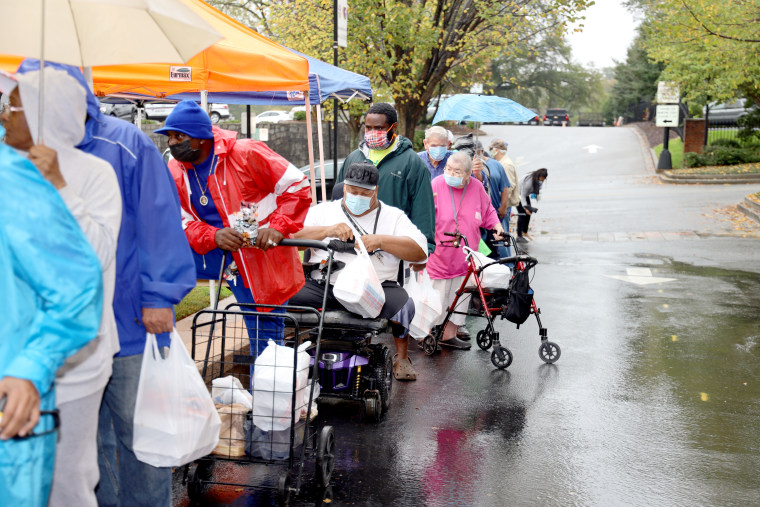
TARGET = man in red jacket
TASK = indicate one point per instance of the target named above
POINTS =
(216, 175)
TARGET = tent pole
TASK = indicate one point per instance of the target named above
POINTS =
(248, 121)
(322, 153)
(310, 144)
(204, 100)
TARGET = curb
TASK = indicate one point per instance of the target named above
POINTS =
(750, 208)
(708, 179)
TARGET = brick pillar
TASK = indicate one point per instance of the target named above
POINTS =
(694, 135)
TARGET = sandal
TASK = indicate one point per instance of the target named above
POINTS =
(403, 370)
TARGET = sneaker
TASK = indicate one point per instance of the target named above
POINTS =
(455, 343)
(463, 333)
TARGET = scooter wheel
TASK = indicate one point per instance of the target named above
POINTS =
(549, 352)
(372, 409)
(429, 345)
(484, 339)
(501, 357)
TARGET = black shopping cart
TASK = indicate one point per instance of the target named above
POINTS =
(280, 428)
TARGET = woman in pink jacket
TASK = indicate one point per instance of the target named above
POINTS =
(461, 204)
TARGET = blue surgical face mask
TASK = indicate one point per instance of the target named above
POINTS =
(357, 204)
(453, 181)
(437, 152)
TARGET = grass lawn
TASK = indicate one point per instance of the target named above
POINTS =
(196, 300)
(675, 147)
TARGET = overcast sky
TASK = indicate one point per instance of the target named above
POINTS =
(608, 31)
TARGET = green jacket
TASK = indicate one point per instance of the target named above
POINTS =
(404, 183)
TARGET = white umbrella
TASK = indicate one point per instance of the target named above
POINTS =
(103, 32)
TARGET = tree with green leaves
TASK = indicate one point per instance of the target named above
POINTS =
(711, 48)
(635, 79)
(410, 46)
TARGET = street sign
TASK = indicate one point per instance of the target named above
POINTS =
(667, 115)
(668, 93)
(343, 23)
(476, 88)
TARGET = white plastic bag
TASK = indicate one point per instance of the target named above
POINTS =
(229, 391)
(273, 385)
(357, 286)
(175, 420)
(497, 275)
(427, 304)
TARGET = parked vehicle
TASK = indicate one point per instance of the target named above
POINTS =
(126, 111)
(329, 176)
(728, 112)
(556, 116)
(590, 119)
(273, 117)
(161, 110)
(533, 121)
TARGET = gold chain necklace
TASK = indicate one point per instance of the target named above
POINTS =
(203, 199)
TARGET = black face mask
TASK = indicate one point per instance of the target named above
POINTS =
(183, 152)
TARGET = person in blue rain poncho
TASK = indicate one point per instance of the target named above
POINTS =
(154, 271)
(51, 300)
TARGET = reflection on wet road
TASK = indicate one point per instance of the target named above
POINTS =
(655, 400)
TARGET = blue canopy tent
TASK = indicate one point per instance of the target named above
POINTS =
(325, 82)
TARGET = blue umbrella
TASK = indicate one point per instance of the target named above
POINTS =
(482, 108)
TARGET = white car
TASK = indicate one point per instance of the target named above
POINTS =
(161, 110)
(273, 117)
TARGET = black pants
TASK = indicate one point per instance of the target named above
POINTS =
(311, 295)
(523, 219)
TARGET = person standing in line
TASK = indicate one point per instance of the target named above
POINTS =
(154, 271)
(498, 149)
(51, 295)
(215, 175)
(461, 205)
(498, 187)
(90, 190)
(436, 151)
(404, 180)
(530, 188)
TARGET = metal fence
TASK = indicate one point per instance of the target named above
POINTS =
(731, 129)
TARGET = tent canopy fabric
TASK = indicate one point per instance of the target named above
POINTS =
(325, 82)
(482, 108)
(242, 61)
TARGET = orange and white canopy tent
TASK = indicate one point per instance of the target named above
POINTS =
(243, 61)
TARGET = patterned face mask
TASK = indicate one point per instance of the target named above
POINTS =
(377, 139)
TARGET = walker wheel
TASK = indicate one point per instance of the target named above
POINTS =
(549, 352)
(429, 345)
(501, 357)
(484, 339)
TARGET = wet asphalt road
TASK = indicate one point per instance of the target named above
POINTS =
(653, 294)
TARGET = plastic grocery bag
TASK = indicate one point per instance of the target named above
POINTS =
(229, 390)
(496, 275)
(357, 286)
(175, 420)
(427, 304)
(273, 385)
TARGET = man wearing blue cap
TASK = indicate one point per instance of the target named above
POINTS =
(217, 175)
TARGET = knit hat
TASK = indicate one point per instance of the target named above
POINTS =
(188, 118)
(362, 175)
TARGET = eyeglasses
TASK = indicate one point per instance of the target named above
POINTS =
(10, 108)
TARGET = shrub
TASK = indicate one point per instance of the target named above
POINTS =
(731, 143)
(722, 155)
(299, 116)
